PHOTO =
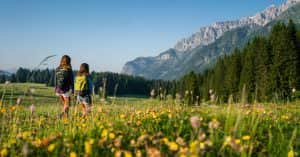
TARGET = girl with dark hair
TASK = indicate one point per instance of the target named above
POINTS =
(64, 82)
(84, 88)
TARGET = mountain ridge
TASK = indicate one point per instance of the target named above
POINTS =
(175, 62)
(209, 34)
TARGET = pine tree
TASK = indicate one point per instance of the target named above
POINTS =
(51, 81)
(263, 64)
(2, 78)
(13, 78)
(218, 79)
(292, 36)
(283, 68)
(298, 61)
(193, 86)
(46, 76)
(204, 87)
(22, 75)
(33, 77)
(233, 71)
(247, 78)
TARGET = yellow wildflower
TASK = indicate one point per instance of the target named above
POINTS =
(4, 152)
(291, 153)
(237, 141)
(51, 147)
(173, 146)
(122, 116)
(111, 136)
(73, 154)
(193, 146)
(138, 153)
(104, 133)
(87, 147)
(165, 140)
(246, 138)
(202, 145)
(26, 134)
(127, 154)
(285, 117)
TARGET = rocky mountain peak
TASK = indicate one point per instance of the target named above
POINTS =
(209, 34)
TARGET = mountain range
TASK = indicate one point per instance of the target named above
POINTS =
(201, 50)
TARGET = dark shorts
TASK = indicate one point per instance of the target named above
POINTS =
(86, 100)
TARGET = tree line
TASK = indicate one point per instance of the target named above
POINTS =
(23, 75)
(111, 83)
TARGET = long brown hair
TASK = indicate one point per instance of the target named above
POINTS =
(65, 62)
(84, 69)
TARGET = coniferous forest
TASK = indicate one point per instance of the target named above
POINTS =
(267, 68)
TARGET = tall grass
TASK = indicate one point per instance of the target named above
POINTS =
(133, 127)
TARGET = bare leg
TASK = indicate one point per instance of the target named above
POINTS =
(66, 104)
(84, 110)
(62, 101)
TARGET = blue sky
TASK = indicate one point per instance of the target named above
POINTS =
(105, 33)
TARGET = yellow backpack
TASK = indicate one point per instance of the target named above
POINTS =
(81, 85)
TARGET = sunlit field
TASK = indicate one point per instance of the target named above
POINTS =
(30, 126)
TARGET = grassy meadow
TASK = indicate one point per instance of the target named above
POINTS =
(143, 127)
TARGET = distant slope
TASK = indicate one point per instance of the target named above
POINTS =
(154, 67)
(2, 72)
(174, 63)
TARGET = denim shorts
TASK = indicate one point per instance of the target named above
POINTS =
(65, 95)
(86, 100)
